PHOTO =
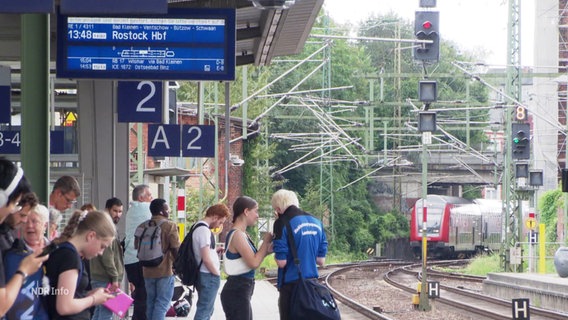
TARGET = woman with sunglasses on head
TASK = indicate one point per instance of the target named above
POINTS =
(86, 235)
(240, 260)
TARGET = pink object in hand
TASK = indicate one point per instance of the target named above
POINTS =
(119, 304)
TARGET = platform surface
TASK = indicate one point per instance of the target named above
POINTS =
(264, 303)
(547, 291)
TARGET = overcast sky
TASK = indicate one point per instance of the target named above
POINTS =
(473, 24)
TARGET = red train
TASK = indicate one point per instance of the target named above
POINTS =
(456, 227)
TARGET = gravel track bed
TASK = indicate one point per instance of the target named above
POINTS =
(367, 286)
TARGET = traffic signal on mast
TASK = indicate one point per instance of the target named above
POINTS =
(521, 147)
(427, 27)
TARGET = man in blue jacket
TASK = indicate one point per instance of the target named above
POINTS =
(311, 245)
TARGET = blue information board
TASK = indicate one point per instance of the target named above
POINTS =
(27, 6)
(185, 44)
(198, 141)
(139, 101)
(113, 6)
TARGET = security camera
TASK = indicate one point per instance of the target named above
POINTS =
(236, 161)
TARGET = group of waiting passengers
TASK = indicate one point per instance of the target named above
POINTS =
(73, 288)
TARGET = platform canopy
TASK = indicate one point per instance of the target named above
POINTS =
(261, 34)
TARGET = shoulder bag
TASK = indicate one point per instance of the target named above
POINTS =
(309, 299)
(234, 267)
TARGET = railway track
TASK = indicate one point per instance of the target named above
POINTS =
(356, 306)
(471, 302)
(405, 276)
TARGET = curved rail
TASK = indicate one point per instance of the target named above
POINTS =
(362, 309)
(458, 303)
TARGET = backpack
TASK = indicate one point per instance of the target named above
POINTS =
(149, 241)
(185, 264)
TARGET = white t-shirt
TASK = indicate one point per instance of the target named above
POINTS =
(202, 238)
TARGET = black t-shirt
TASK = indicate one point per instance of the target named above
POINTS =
(61, 260)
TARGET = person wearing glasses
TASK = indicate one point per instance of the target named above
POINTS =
(65, 193)
(13, 185)
(63, 197)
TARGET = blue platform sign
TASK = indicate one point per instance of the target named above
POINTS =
(140, 101)
(163, 140)
(198, 141)
(5, 104)
(27, 6)
(114, 6)
(185, 44)
(11, 140)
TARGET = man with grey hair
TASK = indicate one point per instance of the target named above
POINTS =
(138, 212)
(311, 245)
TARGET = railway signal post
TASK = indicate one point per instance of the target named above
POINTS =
(426, 124)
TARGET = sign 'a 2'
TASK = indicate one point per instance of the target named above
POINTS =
(140, 101)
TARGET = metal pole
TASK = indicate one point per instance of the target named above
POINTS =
(35, 101)
(424, 305)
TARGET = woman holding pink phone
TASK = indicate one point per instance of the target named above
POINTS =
(86, 235)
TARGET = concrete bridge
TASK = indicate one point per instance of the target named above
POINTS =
(448, 171)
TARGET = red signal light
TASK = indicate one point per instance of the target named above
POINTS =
(427, 25)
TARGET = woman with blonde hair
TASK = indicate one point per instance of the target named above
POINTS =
(13, 186)
(33, 240)
(86, 235)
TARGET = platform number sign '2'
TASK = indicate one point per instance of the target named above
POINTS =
(166, 140)
(140, 101)
(198, 141)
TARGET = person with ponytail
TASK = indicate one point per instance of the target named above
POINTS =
(241, 259)
(86, 236)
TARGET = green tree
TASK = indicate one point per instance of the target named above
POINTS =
(549, 204)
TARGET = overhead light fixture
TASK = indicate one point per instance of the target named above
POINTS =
(273, 4)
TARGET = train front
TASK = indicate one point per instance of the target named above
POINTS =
(437, 219)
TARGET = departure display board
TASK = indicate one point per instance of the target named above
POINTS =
(185, 44)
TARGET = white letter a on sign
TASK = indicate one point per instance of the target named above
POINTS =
(160, 137)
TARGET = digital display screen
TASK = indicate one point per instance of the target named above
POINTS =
(185, 44)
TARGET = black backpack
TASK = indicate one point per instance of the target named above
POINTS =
(185, 264)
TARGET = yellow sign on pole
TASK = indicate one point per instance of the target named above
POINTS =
(530, 223)
(181, 230)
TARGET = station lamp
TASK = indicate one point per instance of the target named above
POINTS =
(273, 4)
